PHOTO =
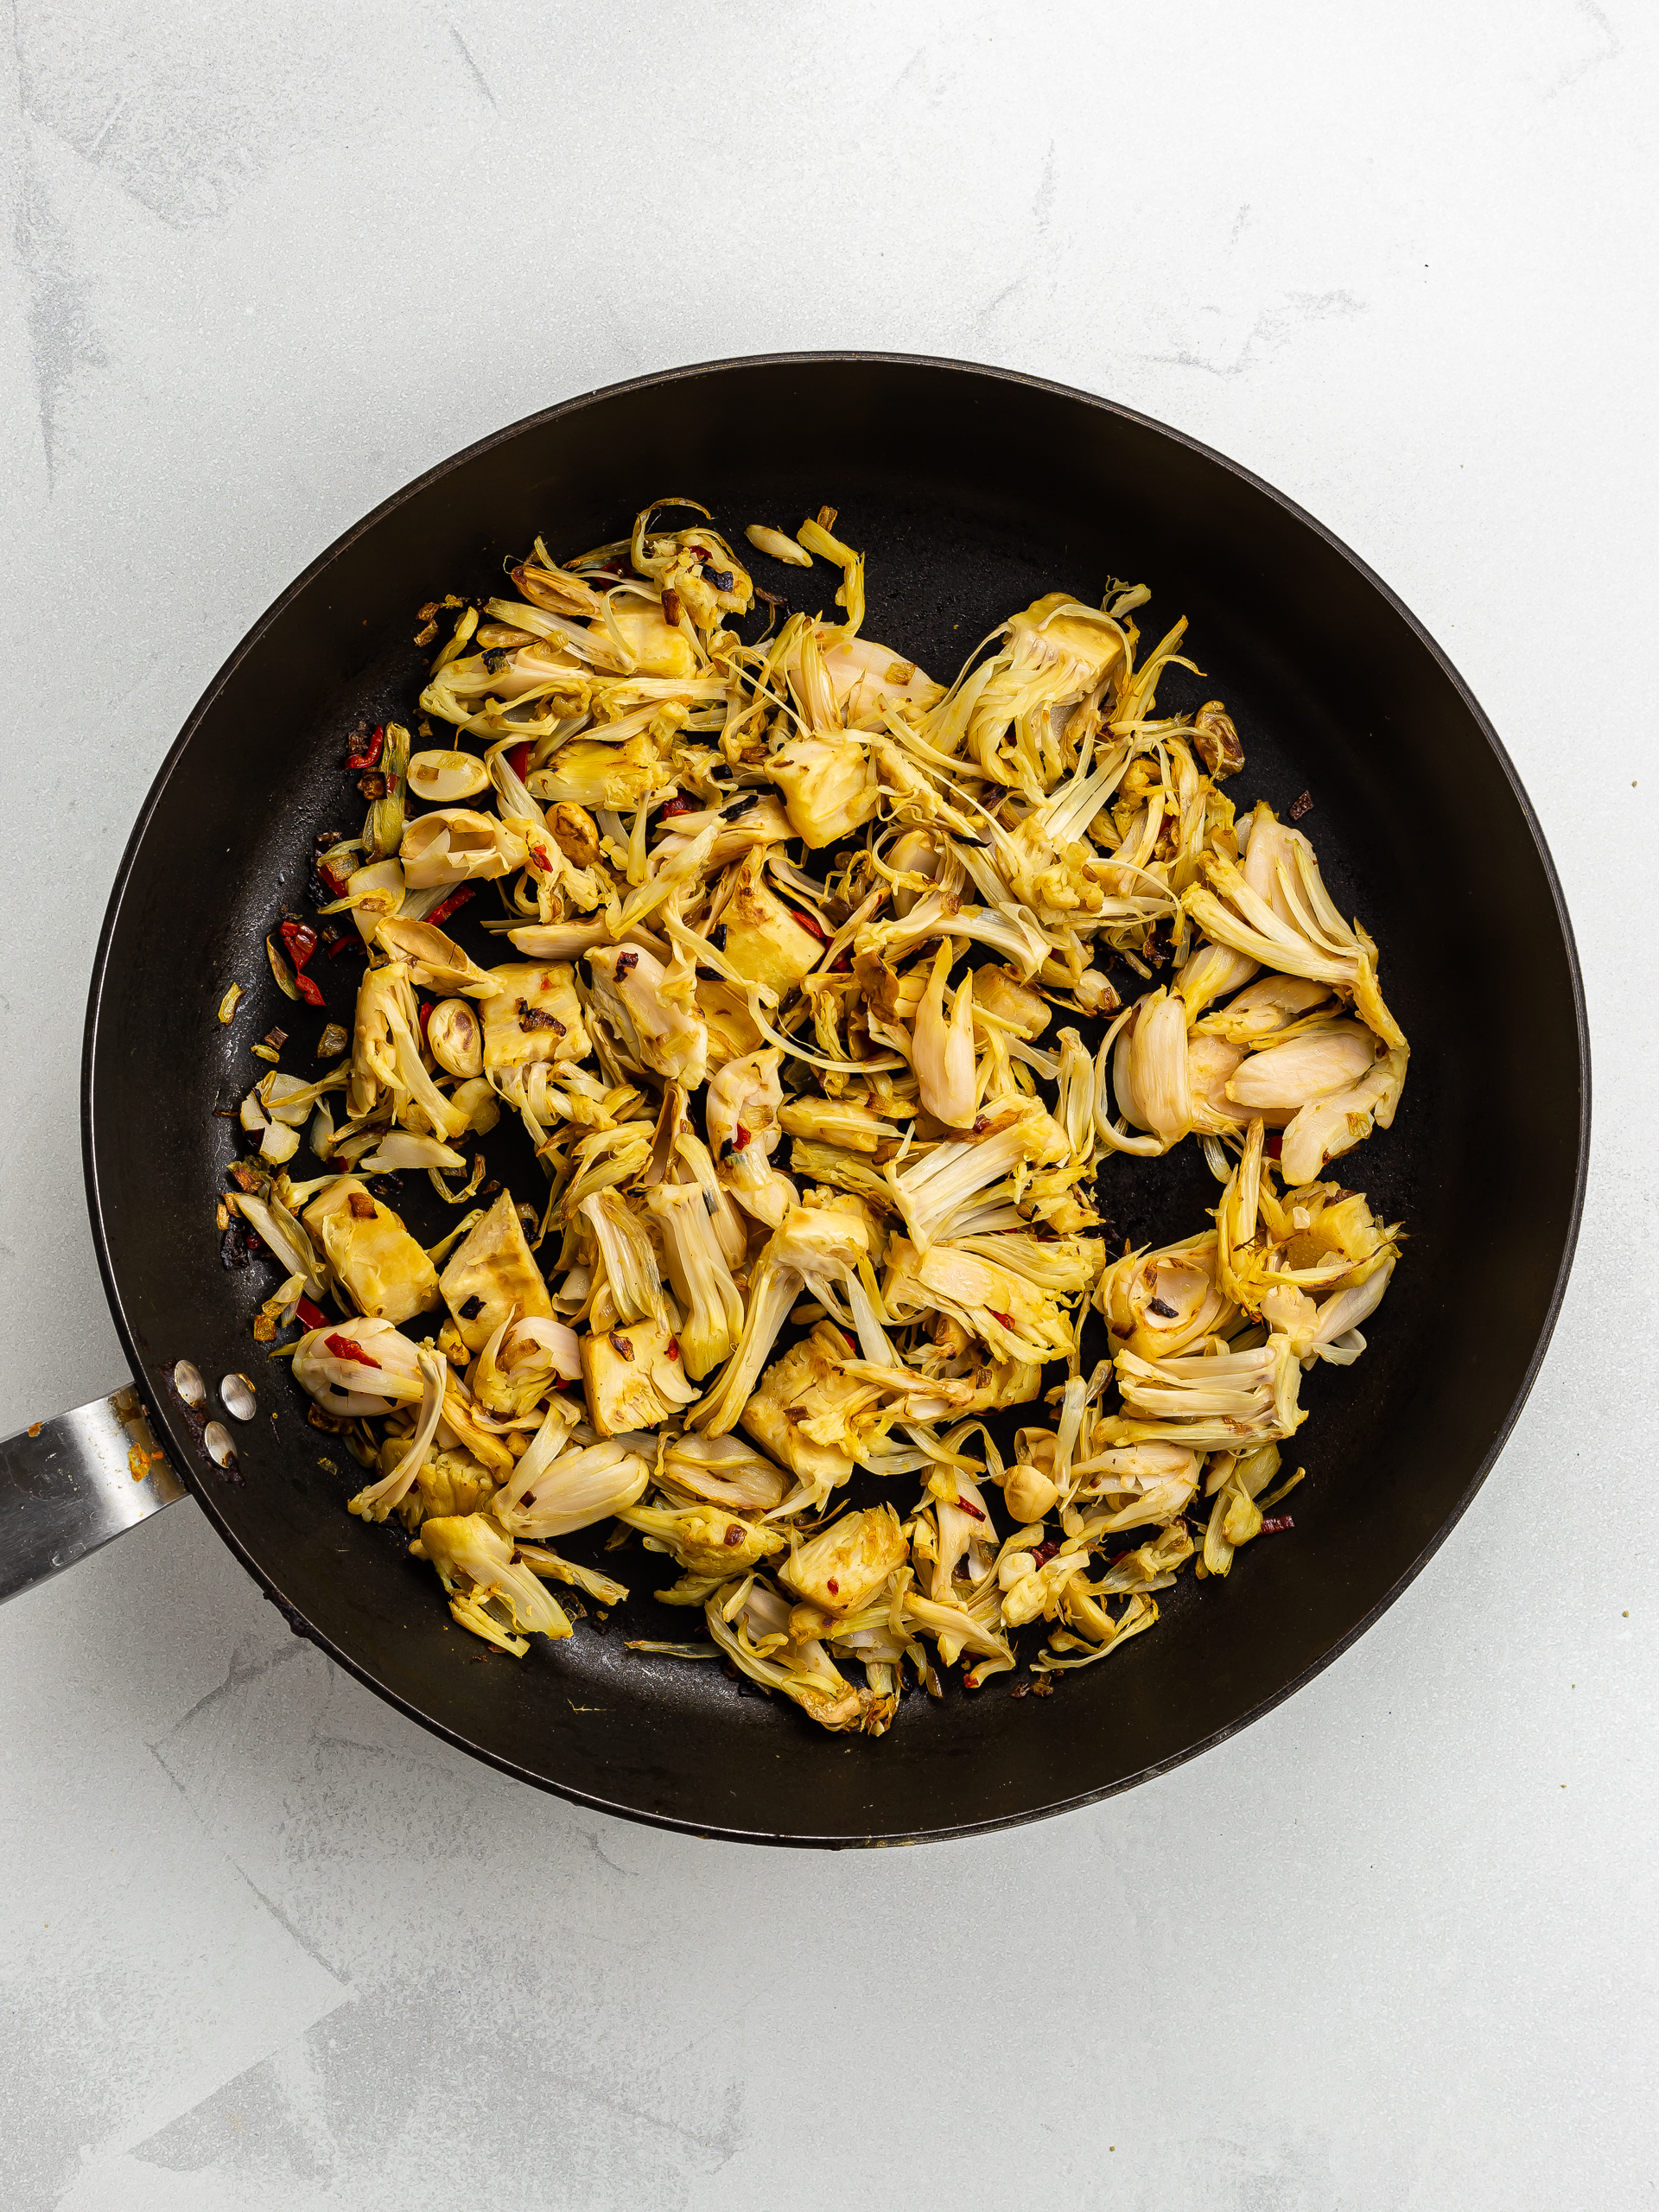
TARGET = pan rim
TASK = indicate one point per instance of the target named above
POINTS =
(162, 1413)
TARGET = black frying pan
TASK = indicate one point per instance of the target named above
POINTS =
(972, 490)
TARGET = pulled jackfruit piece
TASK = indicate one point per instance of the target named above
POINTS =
(492, 1276)
(810, 1245)
(634, 1377)
(383, 1269)
(475, 1565)
(763, 940)
(553, 1492)
(533, 1015)
(655, 1024)
(842, 1568)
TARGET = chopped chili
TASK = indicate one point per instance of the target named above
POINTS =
(740, 1139)
(423, 1009)
(721, 579)
(625, 962)
(370, 756)
(1041, 1554)
(1007, 1319)
(673, 1347)
(518, 761)
(531, 1017)
(1276, 1523)
(300, 939)
(351, 942)
(1275, 1144)
(348, 1349)
(374, 786)
(309, 989)
(445, 907)
(833, 1588)
(1300, 806)
(812, 928)
(678, 805)
(967, 1505)
(313, 1316)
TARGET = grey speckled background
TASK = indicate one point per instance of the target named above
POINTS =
(268, 1946)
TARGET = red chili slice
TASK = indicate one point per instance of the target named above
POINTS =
(518, 761)
(300, 939)
(346, 1348)
(350, 942)
(966, 1505)
(1276, 1523)
(739, 1140)
(308, 989)
(445, 907)
(313, 1316)
(539, 862)
(370, 757)
(425, 1010)
(1275, 1144)
(1007, 1319)
(678, 806)
(812, 928)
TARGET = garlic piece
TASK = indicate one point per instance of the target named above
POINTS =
(444, 778)
(455, 1039)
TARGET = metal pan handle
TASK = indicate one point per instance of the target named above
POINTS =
(68, 1485)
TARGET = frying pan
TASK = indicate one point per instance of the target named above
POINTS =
(972, 490)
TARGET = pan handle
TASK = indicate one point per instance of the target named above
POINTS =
(68, 1485)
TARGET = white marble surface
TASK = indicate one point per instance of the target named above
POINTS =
(268, 1946)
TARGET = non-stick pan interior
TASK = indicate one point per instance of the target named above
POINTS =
(971, 492)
